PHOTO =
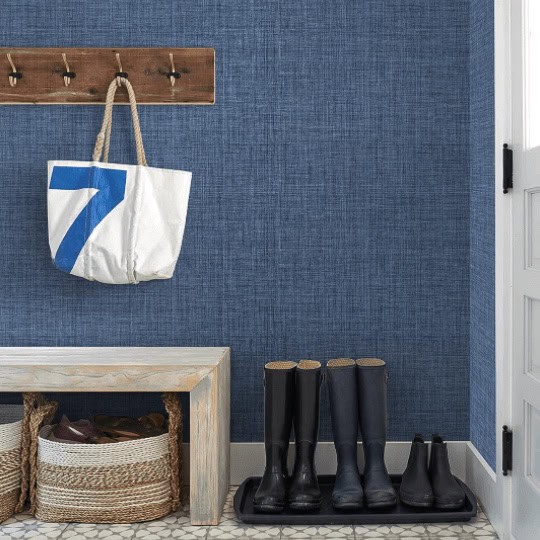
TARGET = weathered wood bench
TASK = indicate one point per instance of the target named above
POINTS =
(203, 372)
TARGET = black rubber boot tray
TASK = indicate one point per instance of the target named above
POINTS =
(326, 515)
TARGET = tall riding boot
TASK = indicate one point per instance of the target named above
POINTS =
(372, 392)
(343, 392)
(448, 494)
(279, 391)
(304, 492)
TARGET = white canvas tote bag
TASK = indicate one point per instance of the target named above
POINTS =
(116, 223)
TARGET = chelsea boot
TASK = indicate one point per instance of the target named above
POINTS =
(447, 493)
(415, 489)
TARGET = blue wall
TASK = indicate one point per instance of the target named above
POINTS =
(482, 230)
(329, 211)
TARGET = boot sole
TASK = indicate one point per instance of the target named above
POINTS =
(268, 509)
(449, 506)
(305, 506)
(417, 504)
(382, 504)
(347, 506)
(424, 502)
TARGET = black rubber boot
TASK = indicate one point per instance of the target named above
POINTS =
(448, 494)
(415, 489)
(279, 392)
(342, 389)
(372, 391)
(304, 492)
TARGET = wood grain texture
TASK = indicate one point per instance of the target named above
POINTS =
(106, 369)
(210, 445)
(202, 371)
(68, 378)
(114, 356)
(42, 75)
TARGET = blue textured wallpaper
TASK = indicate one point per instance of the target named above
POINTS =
(482, 308)
(329, 210)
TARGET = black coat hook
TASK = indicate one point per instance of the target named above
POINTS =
(173, 74)
(15, 75)
(120, 74)
(68, 74)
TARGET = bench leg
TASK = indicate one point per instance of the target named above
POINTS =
(210, 446)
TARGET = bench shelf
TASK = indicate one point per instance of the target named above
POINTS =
(204, 372)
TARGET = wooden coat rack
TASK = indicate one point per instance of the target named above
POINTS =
(81, 76)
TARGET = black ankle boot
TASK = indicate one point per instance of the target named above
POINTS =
(342, 389)
(304, 492)
(371, 374)
(415, 489)
(447, 492)
(279, 391)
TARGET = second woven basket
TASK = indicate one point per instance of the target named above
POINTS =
(10, 458)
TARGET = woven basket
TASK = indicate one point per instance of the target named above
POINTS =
(123, 482)
(10, 458)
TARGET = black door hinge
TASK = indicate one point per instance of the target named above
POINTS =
(506, 450)
(508, 168)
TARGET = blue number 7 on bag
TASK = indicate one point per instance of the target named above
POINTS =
(111, 186)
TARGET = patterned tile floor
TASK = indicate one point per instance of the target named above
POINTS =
(177, 526)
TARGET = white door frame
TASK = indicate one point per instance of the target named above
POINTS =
(501, 514)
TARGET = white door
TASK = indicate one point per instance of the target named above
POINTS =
(526, 269)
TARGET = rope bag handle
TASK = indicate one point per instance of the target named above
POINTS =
(103, 140)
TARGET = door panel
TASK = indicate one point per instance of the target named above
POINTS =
(532, 437)
(532, 82)
(532, 223)
(532, 337)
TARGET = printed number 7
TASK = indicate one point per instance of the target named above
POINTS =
(111, 186)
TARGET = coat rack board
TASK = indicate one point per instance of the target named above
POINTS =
(80, 76)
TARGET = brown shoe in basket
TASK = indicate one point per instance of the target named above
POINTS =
(153, 420)
(80, 432)
(125, 429)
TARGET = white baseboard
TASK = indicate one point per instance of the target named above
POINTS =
(482, 480)
(247, 459)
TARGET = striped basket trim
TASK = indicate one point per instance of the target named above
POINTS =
(93, 455)
(149, 512)
(10, 471)
(10, 459)
(105, 477)
(103, 499)
(8, 501)
(10, 481)
(10, 436)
